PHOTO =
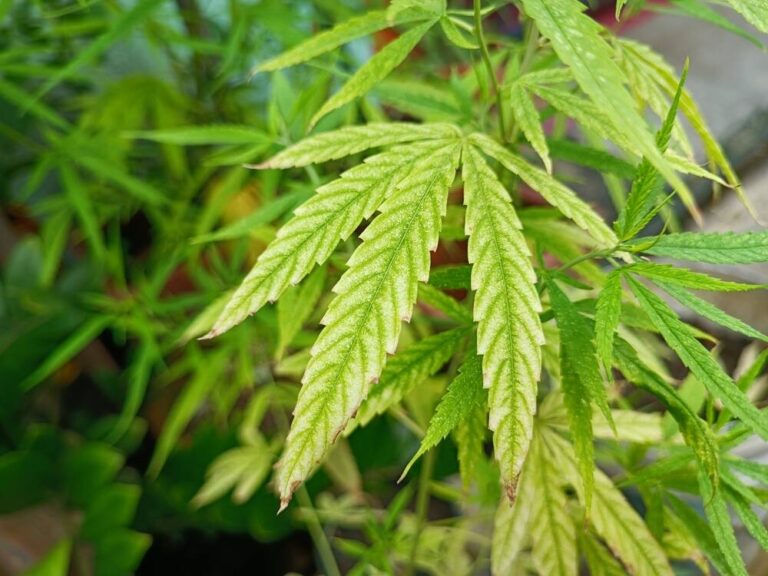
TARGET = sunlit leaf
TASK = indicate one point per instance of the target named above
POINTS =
(363, 321)
(506, 309)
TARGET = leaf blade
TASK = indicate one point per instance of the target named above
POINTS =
(506, 308)
(375, 70)
(363, 322)
(682, 340)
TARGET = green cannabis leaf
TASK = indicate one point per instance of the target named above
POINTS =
(506, 309)
(363, 322)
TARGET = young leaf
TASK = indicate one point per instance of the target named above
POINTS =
(687, 278)
(711, 247)
(576, 39)
(711, 312)
(464, 393)
(244, 469)
(720, 521)
(660, 73)
(456, 36)
(310, 237)
(648, 184)
(754, 12)
(363, 321)
(511, 525)
(405, 370)
(375, 70)
(506, 308)
(681, 339)
(553, 191)
(607, 315)
(528, 119)
(552, 527)
(353, 139)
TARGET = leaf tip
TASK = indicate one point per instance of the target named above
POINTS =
(510, 489)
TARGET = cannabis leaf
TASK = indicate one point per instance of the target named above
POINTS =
(406, 369)
(328, 40)
(318, 225)
(553, 530)
(720, 521)
(647, 184)
(470, 441)
(607, 315)
(622, 529)
(586, 113)
(464, 393)
(695, 431)
(557, 194)
(687, 278)
(576, 39)
(711, 247)
(756, 13)
(363, 322)
(511, 523)
(350, 140)
(711, 312)
(374, 70)
(661, 75)
(506, 309)
(682, 340)
(580, 379)
(528, 119)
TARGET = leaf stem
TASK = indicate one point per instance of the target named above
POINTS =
(422, 502)
(489, 66)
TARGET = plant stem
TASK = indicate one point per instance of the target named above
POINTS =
(489, 66)
(317, 533)
(422, 502)
(587, 256)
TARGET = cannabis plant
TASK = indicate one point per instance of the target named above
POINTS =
(431, 293)
(549, 333)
